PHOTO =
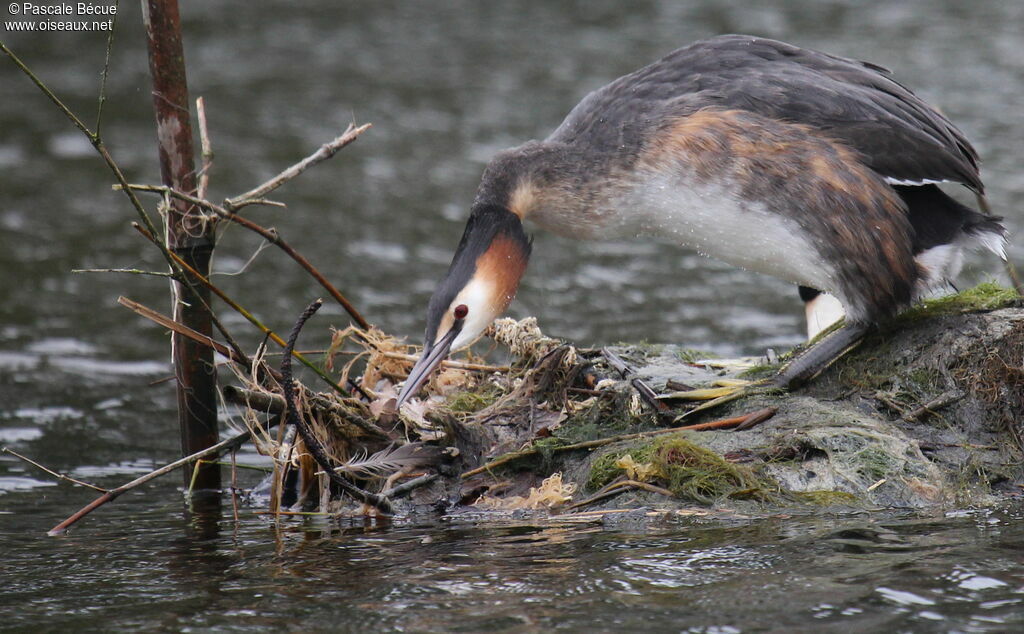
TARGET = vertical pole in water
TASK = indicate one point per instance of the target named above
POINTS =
(187, 235)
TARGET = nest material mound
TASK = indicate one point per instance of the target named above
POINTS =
(923, 413)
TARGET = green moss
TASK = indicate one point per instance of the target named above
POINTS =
(762, 371)
(700, 474)
(603, 471)
(868, 366)
(925, 379)
(827, 498)
(984, 296)
(874, 463)
(919, 385)
(971, 481)
(608, 416)
(471, 402)
(641, 349)
(690, 355)
(688, 470)
(544, 460)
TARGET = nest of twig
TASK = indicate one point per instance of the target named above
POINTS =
(365, 441)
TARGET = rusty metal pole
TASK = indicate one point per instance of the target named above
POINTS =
(187, 235)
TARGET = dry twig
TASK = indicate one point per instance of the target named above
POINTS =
(325, 152)
(130, 271)
(931, 407)
(270, 235)
(242, 311)
(185, 331)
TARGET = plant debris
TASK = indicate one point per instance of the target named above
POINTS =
(559, 419)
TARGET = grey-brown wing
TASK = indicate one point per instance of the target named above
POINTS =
(900, 136)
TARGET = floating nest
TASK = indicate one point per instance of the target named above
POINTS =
(561, 428)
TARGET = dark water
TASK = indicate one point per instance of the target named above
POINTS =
(446, 85)
(141, 567)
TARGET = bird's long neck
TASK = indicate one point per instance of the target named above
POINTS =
(534, 175)
(559, 187)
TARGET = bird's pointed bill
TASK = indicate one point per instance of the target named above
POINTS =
(433, 355)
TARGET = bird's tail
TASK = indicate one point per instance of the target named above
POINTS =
(942, 228)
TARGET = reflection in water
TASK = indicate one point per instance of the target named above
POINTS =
(446, 85)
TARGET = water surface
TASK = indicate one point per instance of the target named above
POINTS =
(446, 86)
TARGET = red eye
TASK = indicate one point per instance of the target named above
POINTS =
(461, 311)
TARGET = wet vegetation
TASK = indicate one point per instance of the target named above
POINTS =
(920, 414)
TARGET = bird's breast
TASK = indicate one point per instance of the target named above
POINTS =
(711, 218)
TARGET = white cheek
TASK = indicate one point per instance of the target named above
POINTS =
(479, 297)
(472, 329)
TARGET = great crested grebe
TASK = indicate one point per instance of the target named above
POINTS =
(816, 169)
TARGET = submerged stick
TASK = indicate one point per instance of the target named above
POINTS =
(59, 476)
(620, 486)
(189, 234)
(601, 495)
(224, 445)
(312, 442)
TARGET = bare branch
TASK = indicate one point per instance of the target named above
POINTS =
(106, 69)
(240, 310)
(94, 138)
(270, 235)
(325, 152)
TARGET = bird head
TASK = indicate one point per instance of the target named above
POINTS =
(481, 282)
